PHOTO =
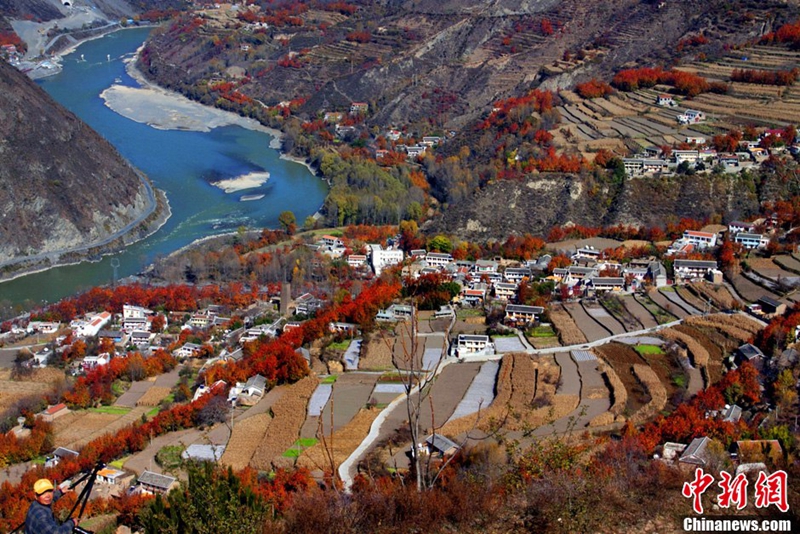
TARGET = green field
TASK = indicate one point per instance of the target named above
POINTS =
(541, 331)
(330, 379)
(301, 444)
(649, 349)
(340, 345)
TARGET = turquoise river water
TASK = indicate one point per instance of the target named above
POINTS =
(182, 163)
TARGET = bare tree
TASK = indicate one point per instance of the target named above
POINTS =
(417, 383)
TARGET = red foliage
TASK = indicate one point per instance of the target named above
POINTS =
(593, 89)
(546, 27)
(788, 33)
(765, 77)
(694, 41)
(359, 37)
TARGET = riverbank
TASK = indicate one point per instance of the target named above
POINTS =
(145, 228)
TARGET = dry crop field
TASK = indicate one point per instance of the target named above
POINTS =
(153, 396)
(38, 384)
(343, 442)
(622, 358)
(719, 295)
(289, 413)
(525, 398)
(568, 331)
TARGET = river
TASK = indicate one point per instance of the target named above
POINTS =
(182, 163)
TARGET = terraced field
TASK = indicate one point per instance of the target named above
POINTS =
(602, 316)
(592, 329)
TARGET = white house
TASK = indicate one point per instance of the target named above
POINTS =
(699, 239)
(188, 350)
(470, 344)
(438, 259)
(129, 312)
(356, 260)
(43, 327)
(748, 240)
(381, 258)
(689, 269)
(505, 291)
(734, 227)
(522, 313)
(90, 326)
(691, 116)
(666, 101)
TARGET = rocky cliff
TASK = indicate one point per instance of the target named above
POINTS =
(62, 186)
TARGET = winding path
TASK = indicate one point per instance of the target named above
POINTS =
(55, 254)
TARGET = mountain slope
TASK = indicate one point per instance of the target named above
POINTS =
(62, 186)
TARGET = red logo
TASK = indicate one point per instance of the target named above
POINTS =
(696, 488)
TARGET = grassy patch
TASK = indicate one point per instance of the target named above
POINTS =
(117, 464)
(113, 410)
(679, 381)
(153, 412)
(329, 379)
(297, 449)
(541, 331)
(504, 335)
(39, 460)
(169, 457)
(469, 312)
(649, 349)
(340, 345)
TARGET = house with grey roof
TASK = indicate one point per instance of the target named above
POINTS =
(696, 453)
(155, 483)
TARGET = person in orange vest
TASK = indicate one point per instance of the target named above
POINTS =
(40, 519)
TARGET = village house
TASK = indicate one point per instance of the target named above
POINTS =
(438, 259)
(415, 151)
(382, 258)
(129, 311)
(604, 284)
(140, 339)
(696, 454)
(90, 362)
(666, 101)
(358, 108)
(42, 327)
(42, 357)
(505, 291)
(735, 227)
(519, 313)
(691, 116)
(751, 241)
(516, 274)
(53, 412)
(131, 324)
(155, 484)
(338, 327)
(60, 454)
(638, 166)
(307, 304)
(749, 353)
(690, 156)
(484, 266)
(436, 444)
(91, 325)
(356, 260)
(113, 477)
(188, 350)
(333, 117)
(693, 269)
(474, 296)
(431, 141)
(695, 140)
(701, 240)
(472, 344)
(769, 307)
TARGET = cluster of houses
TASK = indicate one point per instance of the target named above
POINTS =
(654, 160)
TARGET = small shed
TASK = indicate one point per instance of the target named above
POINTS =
(696, 453)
